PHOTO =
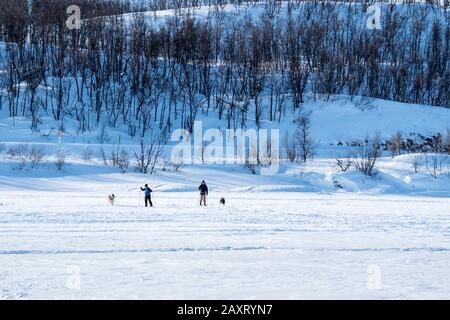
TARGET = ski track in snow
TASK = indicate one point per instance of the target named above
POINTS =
(261, 245)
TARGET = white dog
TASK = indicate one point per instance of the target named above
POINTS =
(111, 198)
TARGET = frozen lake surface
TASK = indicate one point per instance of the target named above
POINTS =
(261, 245)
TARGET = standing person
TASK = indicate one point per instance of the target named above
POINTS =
(148, 195)
(203, 192)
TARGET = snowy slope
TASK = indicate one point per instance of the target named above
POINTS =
(340, 119)
(336, 121)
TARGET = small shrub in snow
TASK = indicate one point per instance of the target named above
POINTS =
(289, 147)
(251, 166)
(267, 157)
(149, 153)
(344, 163)
(114, 159)
(366, 155)
(417, 163)
(166, 166)
(36, 155)
(177, 166)
(19, 152)
(435, 166)
(306, 145)
(102, 155)
(22, 153)
(120, 158)
(448, 166)
(103, 136)
(123, 161)
(395, 143)
(172, 166)
(131, 129)
(447, 142)
(60, 161)
(337, 184)
(88, 155)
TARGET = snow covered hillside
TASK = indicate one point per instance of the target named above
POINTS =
(334, 124)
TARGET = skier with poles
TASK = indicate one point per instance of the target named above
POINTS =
(203, 188)
(148, 195)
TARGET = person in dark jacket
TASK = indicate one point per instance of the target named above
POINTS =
(148, 195)
(203, 192)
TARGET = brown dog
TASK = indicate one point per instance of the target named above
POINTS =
(111, 198)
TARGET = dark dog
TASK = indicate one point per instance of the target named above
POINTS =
(222, 201)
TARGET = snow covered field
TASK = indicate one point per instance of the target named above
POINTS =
(60, 239)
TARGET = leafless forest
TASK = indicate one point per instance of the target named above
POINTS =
(124, 69)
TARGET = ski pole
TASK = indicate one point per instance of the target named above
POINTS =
(140, 197)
